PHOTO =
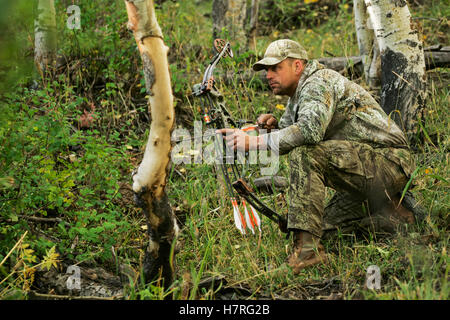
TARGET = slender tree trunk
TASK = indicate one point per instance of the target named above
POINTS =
(253, 25)
(368, 48)
(364, 35)
(403, 78)
(45, 36)
(229, 17)
(150, 179)
(374, 75)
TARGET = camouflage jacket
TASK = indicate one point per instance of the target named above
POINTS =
(328, 106)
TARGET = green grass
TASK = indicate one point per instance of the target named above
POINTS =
(51, 169)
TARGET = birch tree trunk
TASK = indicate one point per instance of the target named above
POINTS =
(403, 79)
(45, 36)
(374, 72)
(150, 179)
(229, 16)
(368, 48)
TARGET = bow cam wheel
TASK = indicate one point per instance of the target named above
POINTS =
(219, 44)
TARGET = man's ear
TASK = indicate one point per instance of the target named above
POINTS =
(299, 66)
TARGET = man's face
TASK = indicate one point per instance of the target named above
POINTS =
(283, 77)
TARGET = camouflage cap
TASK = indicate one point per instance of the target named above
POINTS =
(279, 50)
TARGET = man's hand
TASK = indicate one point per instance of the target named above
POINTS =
(238, 140)
(267, 121)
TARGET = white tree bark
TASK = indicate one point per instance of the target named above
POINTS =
(150, 180)
(374, 74)
(403, 78)
(368, 48)
(364, 35)
(45, 36)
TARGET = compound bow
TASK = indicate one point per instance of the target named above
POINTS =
(216, 116)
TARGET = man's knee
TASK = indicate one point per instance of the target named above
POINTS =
(308, 155)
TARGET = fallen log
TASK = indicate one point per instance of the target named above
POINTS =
(439, 57)
(433, 59)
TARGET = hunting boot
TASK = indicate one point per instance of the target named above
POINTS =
(410, 203)
(391, 216)
(396, 211)
(401, 212)
(307, 251)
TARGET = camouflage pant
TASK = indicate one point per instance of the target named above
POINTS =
(363, 177)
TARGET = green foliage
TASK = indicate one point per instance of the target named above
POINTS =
(48, 178)
(25, 263)
(76, 178)
(288, 15)
(15, 62)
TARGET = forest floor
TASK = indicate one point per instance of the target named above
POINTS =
(70, 142)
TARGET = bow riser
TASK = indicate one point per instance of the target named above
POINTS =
(216, 116)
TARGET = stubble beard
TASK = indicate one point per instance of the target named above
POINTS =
(278, 90)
